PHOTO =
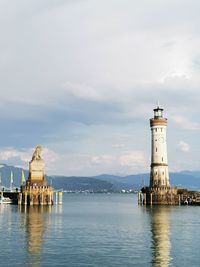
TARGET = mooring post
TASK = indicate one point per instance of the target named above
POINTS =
(60, 198)
(151, 199)
(56, 201)
(25, 198)
(138, 198)
(42, 199)
(20, 199)
(52, 202)
(144, 199)
(31, 200)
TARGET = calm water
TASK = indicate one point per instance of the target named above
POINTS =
(99, 230)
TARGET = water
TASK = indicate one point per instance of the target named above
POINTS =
(99, 230)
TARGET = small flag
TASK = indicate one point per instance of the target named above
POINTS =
(23, 178)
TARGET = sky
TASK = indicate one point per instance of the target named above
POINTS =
(81, 78)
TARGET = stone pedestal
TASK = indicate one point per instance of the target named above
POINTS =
(37, 172)
(37, 195)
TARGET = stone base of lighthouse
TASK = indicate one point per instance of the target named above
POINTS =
(159, 196)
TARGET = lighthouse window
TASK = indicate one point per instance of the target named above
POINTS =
(163, 173)
(156, 149)
(161, 129)
(156, 129)
(162, 159)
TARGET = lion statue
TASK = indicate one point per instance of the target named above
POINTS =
(37, 153)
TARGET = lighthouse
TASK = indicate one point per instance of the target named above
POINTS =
(159, 191)
(159, 175)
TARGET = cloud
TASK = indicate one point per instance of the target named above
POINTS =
(103, 159)
(83, 91)
(9, 153)
(70, 74)
(118, 146)
(186, 123)
(184, 147)
(133, 159)
(50, 156)
(22, 157)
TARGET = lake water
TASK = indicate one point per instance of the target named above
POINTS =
(99, 230)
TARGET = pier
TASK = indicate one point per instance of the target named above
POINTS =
(16, 197)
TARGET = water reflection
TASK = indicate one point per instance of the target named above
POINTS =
(35, 219)
(160, 228)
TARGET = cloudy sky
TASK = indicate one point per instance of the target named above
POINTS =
(81, 77)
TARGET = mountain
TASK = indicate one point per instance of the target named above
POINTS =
(82, 184)
(184, 179)
(59, 182)
(5, 172)
(189, 180)
(103, 182)
(125, 182)
(180, 179)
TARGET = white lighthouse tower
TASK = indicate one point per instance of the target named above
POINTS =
(159, 177)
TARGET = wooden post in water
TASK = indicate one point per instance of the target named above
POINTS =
(179, 199)
(56, 201)
(60, 198)
(42, 199)
(52, 197)
(151, 199)
(25, 199)
(144, 199)
(31, 200)
(20, 199)
(138, 198)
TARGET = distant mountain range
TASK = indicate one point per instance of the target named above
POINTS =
(102, 183)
